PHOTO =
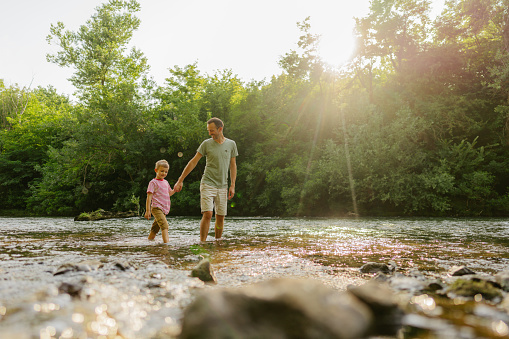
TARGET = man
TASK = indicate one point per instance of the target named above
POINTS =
(220, 153)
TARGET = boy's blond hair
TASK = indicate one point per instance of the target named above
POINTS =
(162, 163)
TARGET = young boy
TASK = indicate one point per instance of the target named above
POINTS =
(158, 201)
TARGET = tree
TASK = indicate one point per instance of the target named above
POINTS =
(306, 64)
(101, 163)
(97, 50)
(36, 121)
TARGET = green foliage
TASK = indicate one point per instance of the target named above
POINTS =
(416, 124)
(36, 120)
(97, 50)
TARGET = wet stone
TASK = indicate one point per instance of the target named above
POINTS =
(473, 287)
(279, 308)
(380, 277)
(460, 271)
(404, 283)
(83, 266)
(73, 290)
(384, 305)
(102, 215)
(434, 285)
(76, 289)
(374, 267)
(123, 266)
(204, 272)
(156, 284)
(65, 268)
(503, 279)
(156, 275)
(418, 326)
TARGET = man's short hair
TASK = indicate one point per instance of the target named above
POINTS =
(216, 121)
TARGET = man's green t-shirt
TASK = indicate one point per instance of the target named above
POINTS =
(218, 161)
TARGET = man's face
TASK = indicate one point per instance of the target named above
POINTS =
(214, 132)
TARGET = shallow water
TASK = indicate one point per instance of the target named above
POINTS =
(146, 301)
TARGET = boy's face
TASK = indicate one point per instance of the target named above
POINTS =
(161, 172)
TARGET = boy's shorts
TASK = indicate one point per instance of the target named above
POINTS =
(160, 221)
(213, 198)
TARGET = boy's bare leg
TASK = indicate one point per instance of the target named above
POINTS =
(151, 236)
(205, 225)
(219, 226)
(165, 236)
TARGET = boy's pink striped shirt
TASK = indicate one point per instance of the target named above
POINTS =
(161, 194)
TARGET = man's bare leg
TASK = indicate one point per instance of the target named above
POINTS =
(166, 238)
(219, 226)
(205, 225)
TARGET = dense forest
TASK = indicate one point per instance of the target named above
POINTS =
(416, 124)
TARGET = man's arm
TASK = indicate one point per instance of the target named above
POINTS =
(189, 167)
(233, 177)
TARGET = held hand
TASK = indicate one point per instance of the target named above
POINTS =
(178, 187)
(231, 192)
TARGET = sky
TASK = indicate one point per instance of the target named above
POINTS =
(248, 37)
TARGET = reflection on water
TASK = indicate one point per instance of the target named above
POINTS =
(149, 299)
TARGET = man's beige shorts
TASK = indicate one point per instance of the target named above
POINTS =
(160, 221)
(213, 198)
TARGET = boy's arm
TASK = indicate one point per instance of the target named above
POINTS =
(148, 212)
(172, 192)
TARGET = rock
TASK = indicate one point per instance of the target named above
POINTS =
(505, 304)
(65, 268)
(459, 271)
(74, 289)
(123, 266)
(383, 304)
(503, 279)
(380, 277)
(404, 283)
(156, 284)
(101, 214)
(490, 312)
(374, 267)
(434, 286)
(419, 326)
(280, 308)
(204, 272)
(84, 266)
(472, 287)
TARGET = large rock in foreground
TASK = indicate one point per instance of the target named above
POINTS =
(280, 308)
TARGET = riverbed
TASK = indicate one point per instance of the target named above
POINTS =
(130, 287)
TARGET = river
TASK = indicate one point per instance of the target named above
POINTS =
(135, 288)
